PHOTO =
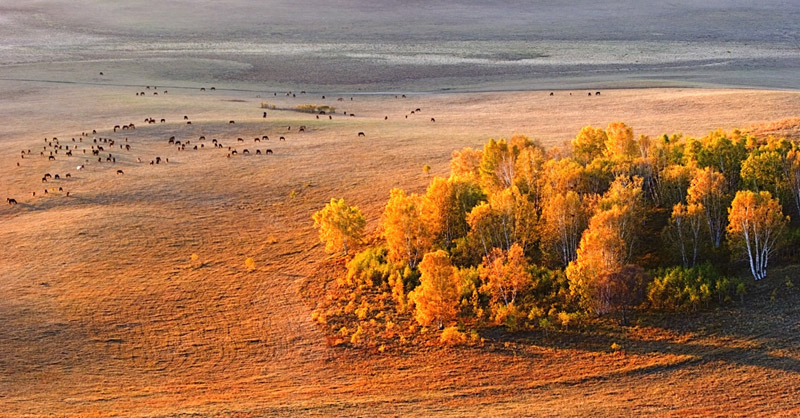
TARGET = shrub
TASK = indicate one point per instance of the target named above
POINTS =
(451, 336)
(681, 288)
(369, 268)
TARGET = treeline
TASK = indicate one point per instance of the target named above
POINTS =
(529, 238)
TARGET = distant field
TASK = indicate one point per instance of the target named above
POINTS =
(104, 311)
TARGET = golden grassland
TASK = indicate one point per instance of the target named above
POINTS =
(104, 311)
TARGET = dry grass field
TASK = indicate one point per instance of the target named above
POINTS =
(105, 312)
(132, 296)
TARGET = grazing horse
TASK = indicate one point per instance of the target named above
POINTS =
(361, 134)
(162, 119)
(213, 88)
(590, 93)
(282, 139)
(258, 152)
(433, 120)
(57, 177)
(302, 129)
(202, 89)
(230, 122)
(597, 93)
(189, 122)
(68, 175)
(245, 151)
(240, 139)
(265, 137)
(11, 201)
(552, 94)
(185, 117)
(116, 127)
(51, 158)
(120, 172)
(269, 151)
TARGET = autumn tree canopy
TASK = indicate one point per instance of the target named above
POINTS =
(340, 225)
(755, 223)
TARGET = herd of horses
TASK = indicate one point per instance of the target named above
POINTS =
(99, 145)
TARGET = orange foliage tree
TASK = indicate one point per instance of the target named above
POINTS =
(505, 275)
(755, 223)
(339, 225)
(709, 190)
(436, 298)
(407, 235)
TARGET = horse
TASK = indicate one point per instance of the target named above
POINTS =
(361, 134)
(11, 201)
(433, 120)
(269, 151)
(282, 139)
(120, 172)
(230, 122)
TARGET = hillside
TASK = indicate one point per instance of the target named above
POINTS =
(105, 312)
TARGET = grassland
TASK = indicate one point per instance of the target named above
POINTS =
(104, 311)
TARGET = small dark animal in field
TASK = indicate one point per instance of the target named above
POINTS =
(240, 139)
(352, 115)
(282, 139)
(163, 120)
(597, 93)
(265, 114)
(230, 122)
(158, 160)
(47, 176)
(60, 189)
(302, 129)
(185, 117)
(552, 94)
(433, 120)
(419, 110)
(213, 88)
(120, 172)
(116, 127)
(94, 131)
(101, 73)
(361, 134)
(256, 139)
(385, 118)
(189, 122)
(51, 158)
(68, 175)
(11, 201)
(246, 151)
(68, 192)
(317, 116)
(202, 89)
(258, 152)
(57, 177)
(202, 137)
(590, 93)
(404, 96)
(269, 151)
(44, 179)
(234, 152)
(330, 117)
(195, 148)
(265, 137)
(155, 93)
